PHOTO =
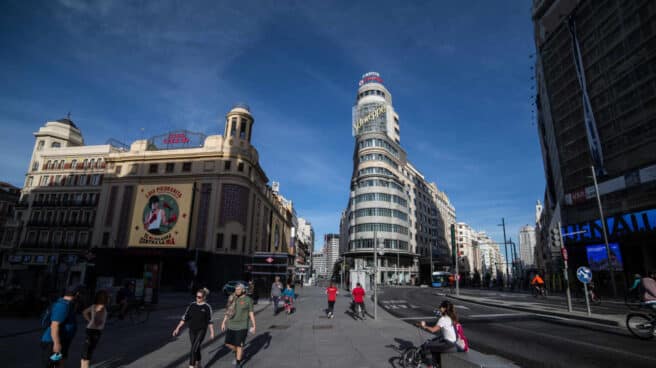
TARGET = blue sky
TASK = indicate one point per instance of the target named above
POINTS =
(459, 73)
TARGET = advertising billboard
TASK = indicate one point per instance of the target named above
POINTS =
(371, 117)
(160, 218)
(598, 257)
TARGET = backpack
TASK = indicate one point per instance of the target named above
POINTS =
(46, 316)
(461, 340)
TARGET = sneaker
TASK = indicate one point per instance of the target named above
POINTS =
(332, 316)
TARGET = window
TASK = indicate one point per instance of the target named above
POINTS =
(232, 127)
(240, 166)
(35, 166)
(30, 179)
(242, 129)
(186, 166)
(92, 163)
(99, 163)
(44, 180)
(118, 169)
(243, 245)
(85, 163)
(226, 165)
(219, 241)
(152, 168)
(95, 180)
(39, 146)
(55, 145)
(48, 165)
(170, 166)
(83, 180)
(233, 241)
(74, 164)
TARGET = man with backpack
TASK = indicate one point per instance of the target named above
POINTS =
(61, 326)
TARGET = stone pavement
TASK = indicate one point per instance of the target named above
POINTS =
(306, 338)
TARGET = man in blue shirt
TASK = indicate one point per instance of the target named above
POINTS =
(58, 336)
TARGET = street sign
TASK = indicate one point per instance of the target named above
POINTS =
(584, 274)
(269, 260)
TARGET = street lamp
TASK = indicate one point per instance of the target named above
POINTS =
(603, 227)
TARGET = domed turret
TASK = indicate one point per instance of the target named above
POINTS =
(239, 123)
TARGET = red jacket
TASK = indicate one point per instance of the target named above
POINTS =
(332, 293)
(358, 295)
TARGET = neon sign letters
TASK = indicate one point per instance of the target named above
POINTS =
(371, 77)
(370, 116)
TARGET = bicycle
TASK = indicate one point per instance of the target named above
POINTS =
(136, 312)
(413, 356)
(538, 291)
(593, 297)
(642, 325)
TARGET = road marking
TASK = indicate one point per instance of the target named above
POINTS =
(412, 318)
(500, 315)
(579, 342)
(392, 301)
(461, 307)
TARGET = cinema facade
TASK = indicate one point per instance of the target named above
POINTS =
(174, 209)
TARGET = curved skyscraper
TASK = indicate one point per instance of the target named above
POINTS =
(389, 199)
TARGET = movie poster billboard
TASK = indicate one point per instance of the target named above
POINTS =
(160, 218)
(598, 257)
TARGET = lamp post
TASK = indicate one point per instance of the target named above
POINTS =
(603, 227)
(505, 245)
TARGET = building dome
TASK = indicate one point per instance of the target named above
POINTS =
(67, 121)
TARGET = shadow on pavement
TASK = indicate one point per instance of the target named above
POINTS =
(261, 341)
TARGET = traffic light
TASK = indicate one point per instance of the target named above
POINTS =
(556, 239)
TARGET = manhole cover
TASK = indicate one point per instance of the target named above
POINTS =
(322, 327)
(278, 327)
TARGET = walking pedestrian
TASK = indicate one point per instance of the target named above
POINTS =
(95, 315)
(288, 296)
(332, 292)
(358, 299)
(199, 317)
(62, 326)
(238, 314)
(276, 293)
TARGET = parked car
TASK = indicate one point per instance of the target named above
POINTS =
(229, 287)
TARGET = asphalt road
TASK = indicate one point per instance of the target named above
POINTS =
(527, 339)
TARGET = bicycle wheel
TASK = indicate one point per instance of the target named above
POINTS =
(641, 325)
(411, 358)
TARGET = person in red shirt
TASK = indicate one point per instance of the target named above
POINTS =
(358, 297)
(332, 292)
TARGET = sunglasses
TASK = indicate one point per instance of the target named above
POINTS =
(199, 297)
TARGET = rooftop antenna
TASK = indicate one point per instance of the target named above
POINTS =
(68, 116)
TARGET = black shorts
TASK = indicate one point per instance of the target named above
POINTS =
(90, 343)
(236, 337)
(46, 351)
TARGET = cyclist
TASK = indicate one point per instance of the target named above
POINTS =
(538, 283)
(649, 296)
(446, 341)
(358, 297)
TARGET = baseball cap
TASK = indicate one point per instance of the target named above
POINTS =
(240, 285)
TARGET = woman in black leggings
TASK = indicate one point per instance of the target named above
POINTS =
(198, 316)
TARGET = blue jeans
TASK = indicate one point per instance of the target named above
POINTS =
(275, 299)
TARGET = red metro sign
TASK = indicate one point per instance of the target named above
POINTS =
(269, 260)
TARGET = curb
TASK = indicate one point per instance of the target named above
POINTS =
(540, 312)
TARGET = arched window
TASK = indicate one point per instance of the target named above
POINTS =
(92, 163)
(99, 163)
(49, 164)
(55, 145)
(86, 163)
(74, 164)
(61, 164)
